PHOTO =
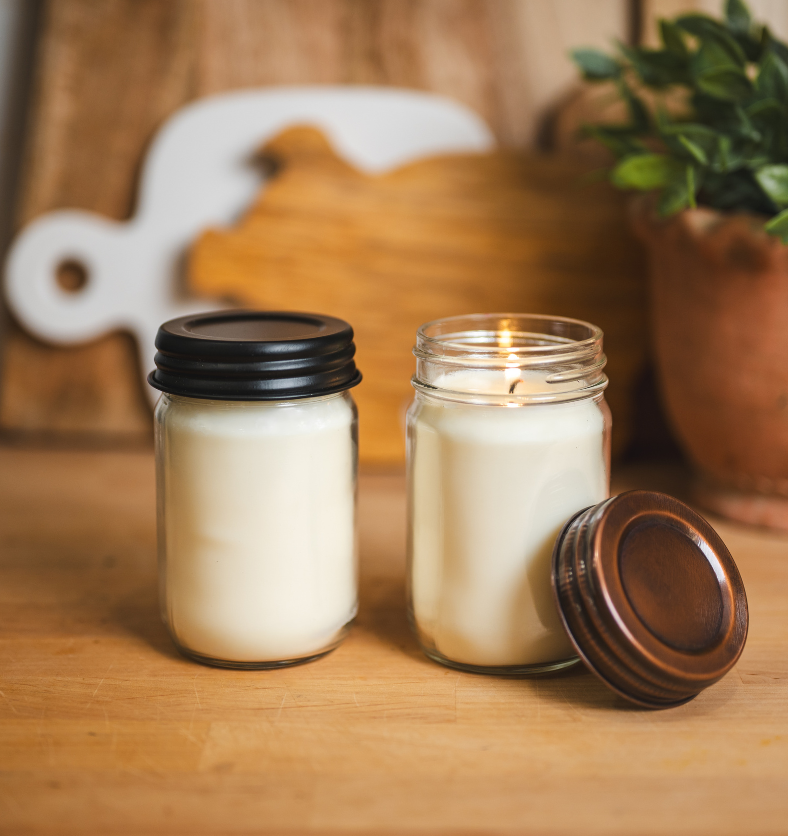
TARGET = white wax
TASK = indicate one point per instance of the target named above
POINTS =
(490, 489)
(257, 505)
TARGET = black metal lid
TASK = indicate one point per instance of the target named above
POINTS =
(650, 597)
(244, 355)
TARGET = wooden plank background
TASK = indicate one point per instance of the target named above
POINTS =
(109, 72)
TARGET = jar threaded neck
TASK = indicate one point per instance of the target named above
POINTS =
(509, 359)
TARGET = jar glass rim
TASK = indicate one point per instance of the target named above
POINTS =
(490, 339)
(498, 334)
(566, 351)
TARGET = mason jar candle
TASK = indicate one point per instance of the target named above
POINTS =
(256, 455)
(508, 437)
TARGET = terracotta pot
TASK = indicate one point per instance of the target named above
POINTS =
(719, 308)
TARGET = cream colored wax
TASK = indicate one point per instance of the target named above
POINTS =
(257, 504)
(490, 488)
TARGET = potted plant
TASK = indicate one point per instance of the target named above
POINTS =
(707, 139)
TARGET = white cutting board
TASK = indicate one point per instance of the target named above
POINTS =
(199, 172)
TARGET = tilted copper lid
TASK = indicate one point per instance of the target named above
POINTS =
(650, 597)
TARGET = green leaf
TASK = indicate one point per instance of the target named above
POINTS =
(596, 65)
(724, 156)
(644, 172)
(754, 159)
(730, 84)
(765, 106)
(638, 112)
(737, 16)
(775, 45)
(744, 126)
(673, 199)
(699, 142)
(695, 150)
(751, 39)
(701, 134)
(773, 179)
(621, 141)
(730, 151)
(778, 226)
(672, 38)
(750, 46)
(772, 79)
(725, 118)
(717, 74)
(679, 192)
(712, 57)
(691, 187)
(736, 191)
(657, 68)
(711, 33)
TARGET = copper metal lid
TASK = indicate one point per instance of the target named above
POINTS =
(650, 597)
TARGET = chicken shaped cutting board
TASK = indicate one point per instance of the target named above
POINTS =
(198, 172)
(455, 234)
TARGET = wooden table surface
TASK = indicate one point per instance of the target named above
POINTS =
(105, 729)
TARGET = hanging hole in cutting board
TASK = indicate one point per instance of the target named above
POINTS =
(268, 165)
(71, 276)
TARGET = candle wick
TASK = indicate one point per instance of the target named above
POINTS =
(514, 386)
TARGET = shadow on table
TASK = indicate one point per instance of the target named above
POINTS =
(580, 688)
(383, 612)
(139, 614)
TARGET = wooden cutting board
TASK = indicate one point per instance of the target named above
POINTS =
(502, 231)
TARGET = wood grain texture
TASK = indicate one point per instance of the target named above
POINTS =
(110, 71)
(506, 59)
(453, 235)
(105, 729)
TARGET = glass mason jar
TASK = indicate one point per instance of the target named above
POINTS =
(256, 453)
(508, 437)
